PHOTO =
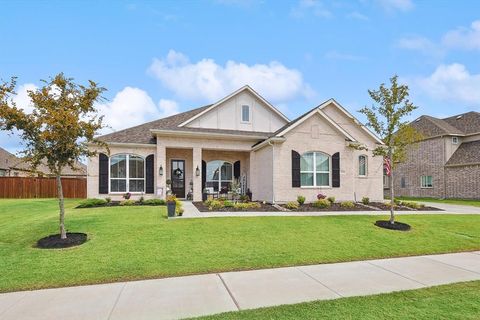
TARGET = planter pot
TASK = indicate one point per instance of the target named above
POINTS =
(171, 208)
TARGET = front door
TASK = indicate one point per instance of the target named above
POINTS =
(178, 178)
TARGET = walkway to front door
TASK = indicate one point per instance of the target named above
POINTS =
(178, 178)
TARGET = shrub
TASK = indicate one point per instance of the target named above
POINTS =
(398, 202)
(412, 205)
(347, 204)
(246, 205)
(92, 202)
(154, 202)
(178, 207)
(141, 200)
(322, 203)
(127, 202)
(108, 199)
(228, 204)
(215, 205)
(300, 200)
(292, 205)
(321, 196)
(331, 200)
(171, 198)
(127, 195)
(366, 201)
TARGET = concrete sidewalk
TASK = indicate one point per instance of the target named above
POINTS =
(174, 298)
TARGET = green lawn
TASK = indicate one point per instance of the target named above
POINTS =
(455, 301)
(139, 242)
(475, 203)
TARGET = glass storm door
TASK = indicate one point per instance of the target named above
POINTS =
(178, 178)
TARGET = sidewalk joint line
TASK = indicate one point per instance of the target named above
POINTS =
(229, 292)
(454, 266)
(398, 274)
(116, 300)
(318, 281)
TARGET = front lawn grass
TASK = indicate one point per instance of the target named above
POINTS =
(127, 243)
(474, 203)
(454, 301)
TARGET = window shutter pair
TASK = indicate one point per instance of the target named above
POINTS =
(296, 170)
(103, 174)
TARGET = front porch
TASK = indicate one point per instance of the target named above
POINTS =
(188, 172)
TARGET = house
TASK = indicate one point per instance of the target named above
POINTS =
(243, 137)
(446, 163)
(12, 166)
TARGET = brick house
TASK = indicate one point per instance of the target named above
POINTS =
(446, 164)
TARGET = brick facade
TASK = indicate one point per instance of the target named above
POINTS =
(463, 182)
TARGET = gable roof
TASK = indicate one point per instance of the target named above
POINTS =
(461, 124)
(216, 104)
(467, 153)
(6, 159)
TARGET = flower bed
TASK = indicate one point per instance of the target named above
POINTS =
(95, 203)
(336, 206)
(223, 205)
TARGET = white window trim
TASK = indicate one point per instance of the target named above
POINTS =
(220, 174)
(315, 171)
(454, 140)
(366, 166)
(249, 114)
(421, 182)
(127, 172)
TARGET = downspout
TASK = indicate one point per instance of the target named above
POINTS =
(273, 170)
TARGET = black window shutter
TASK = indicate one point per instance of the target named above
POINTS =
(295, 169)
(103, 174)
(149, 174)
(204, 174)
(336, 170)
(236, 170)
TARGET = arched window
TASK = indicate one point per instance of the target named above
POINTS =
(315, 169)
(219, 174)
(362, 165)
(127, 173)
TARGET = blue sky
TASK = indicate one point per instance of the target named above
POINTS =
(161, 57)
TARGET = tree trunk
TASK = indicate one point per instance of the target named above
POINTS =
(63, 233)
(392, 199)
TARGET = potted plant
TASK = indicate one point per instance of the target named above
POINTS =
(171, 205)
(127, 196)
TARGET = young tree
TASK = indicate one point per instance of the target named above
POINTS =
(63, 121)
(386, 118)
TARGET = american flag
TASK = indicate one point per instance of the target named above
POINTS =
(388, 166)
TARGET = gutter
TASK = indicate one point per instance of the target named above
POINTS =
(206, 134)
(267, 142)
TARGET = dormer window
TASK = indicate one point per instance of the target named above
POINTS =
(245, 113)
(454, 140)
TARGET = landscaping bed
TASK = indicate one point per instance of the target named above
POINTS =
(231, 206)
(312, 207)
(96, 203)
(402, 207)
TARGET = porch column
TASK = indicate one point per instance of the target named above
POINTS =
(161, 189)
(197, 180)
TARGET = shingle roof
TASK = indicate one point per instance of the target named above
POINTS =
(6, 159)
(141, 133)
(461, 124)
(467, 153)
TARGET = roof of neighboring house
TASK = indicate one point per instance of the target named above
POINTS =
(142, 134)
(9, 161)
(461, 124)
(467, 153)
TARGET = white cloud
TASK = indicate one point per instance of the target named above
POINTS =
(422, 45)
(133, 106)
(357, 16)
(22, 99)
(315, 7)
(206, 80)
(451, 82)
(394, 5)
(464, 38)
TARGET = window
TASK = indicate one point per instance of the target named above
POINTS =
(3, 172)
(245, 113)
(362, 165)
(386, 179)
(426, 182)
(127, 173)
(454, 140)
(315, 169)
(219, 174)
(402, 182)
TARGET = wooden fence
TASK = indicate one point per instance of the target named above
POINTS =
(33, 187)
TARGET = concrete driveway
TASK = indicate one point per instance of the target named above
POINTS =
(181, 297)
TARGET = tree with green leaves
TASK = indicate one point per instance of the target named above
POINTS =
(386, 117)
(63, 121)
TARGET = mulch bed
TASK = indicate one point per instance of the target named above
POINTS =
(398, 226)
(117, 204)
(386, 207)
(54, 242)
(308, 207)
(263, 208)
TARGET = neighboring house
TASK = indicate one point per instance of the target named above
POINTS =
(243, 137)
(12, 166)
(446, 164)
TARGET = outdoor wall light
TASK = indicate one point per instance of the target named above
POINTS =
(197, 171)
(160, 170)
